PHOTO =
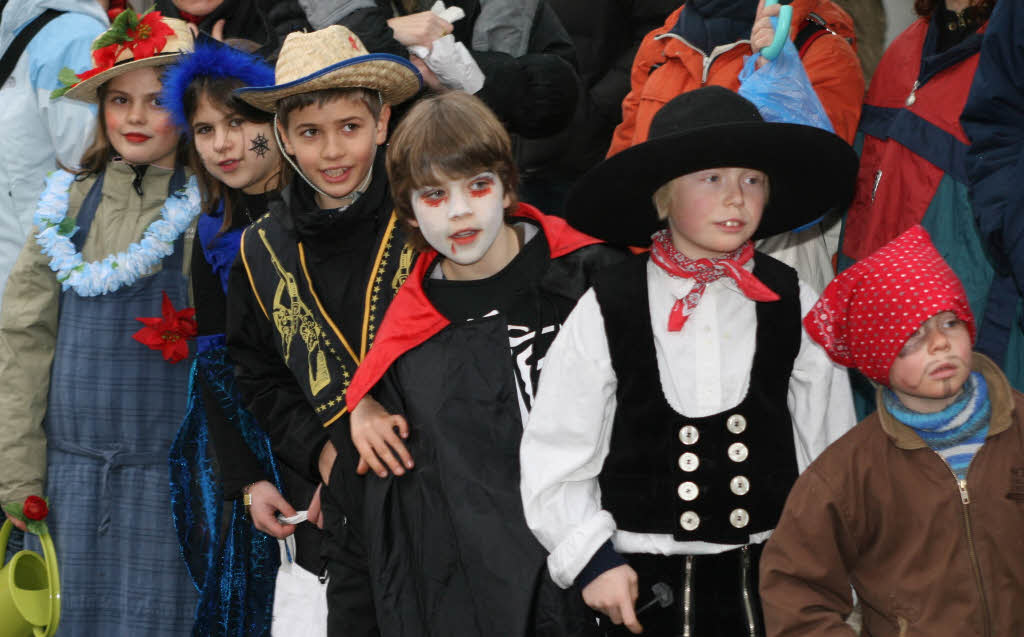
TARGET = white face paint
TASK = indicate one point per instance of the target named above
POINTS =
(461, 218)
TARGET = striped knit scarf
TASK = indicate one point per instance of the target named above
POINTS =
(955, 433)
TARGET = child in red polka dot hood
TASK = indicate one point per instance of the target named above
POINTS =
(915, 506)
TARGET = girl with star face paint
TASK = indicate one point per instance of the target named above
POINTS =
(456, 361)
(238, 169)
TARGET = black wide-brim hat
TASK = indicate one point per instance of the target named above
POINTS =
(810, 171)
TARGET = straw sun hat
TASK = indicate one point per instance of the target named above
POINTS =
(333, 57)
(132, 42)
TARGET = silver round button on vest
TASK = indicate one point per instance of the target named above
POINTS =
(739, 485)
(736, 423)
(738, 452)
(688, 491)
(688, 435)
(689, 521)
(689, 461)
(739, 518)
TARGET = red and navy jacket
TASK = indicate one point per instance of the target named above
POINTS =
(912, 135)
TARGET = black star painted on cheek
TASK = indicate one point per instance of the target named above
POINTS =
(259, 145)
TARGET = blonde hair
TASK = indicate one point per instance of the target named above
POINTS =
(662, 199)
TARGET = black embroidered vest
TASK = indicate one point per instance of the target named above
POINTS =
(718, 478)
(317, 353)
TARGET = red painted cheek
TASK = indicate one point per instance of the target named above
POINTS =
(165, 127)
(111, 122)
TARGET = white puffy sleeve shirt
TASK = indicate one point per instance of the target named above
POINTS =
(704, 370)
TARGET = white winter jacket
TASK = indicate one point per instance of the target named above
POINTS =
(36, 132)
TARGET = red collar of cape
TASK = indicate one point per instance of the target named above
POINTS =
(412, 319)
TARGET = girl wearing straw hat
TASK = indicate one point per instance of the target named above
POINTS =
(107, 258)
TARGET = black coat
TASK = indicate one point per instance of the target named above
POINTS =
(534, 94)
(448, 546)
(243, 19)
(606, 35)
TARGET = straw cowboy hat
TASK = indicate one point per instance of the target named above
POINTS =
(810, 171)
(333, 58)
(132, 42)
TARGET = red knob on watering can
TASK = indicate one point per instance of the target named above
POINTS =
(772, 51)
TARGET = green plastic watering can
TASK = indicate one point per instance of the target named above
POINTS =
(29, 590)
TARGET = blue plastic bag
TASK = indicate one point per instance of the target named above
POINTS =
(782, 91)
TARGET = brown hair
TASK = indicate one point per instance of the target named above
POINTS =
(286, 105)
(453, 134)
(101, 151)
(219, 91)
(925, 8)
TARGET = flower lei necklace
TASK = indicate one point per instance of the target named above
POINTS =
(116, 270)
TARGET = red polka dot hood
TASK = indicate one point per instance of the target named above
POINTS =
(868, 312)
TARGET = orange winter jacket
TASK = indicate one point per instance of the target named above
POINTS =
(666, 66)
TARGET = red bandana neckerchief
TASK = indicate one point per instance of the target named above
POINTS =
(704, 271)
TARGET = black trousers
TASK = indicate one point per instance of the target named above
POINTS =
(713, 595)
(350, 609)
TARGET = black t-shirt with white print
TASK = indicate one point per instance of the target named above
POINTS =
(514, 292)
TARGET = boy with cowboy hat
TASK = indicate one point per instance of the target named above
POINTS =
(919, 506)
(681, 398)
(312, 281)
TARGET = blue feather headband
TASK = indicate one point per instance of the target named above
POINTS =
(213, 60)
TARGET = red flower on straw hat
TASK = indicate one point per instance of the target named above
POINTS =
(148, 36)
(168, 333)
(144, 36)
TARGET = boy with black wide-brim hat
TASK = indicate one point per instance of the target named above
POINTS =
(682, 398)
(311, 284)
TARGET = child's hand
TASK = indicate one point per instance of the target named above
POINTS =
(430, 79)
(314, 513)
(18, 524)
(419, 29)
(267, 502)
(374, 436)
(762, 33)
(614, 593)
(326, 461)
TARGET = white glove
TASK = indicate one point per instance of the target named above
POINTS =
(451, 14)
(452, 64)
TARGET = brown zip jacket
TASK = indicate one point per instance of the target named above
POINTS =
(883, 513)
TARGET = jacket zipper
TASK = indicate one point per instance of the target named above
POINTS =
(688, 597)
(748, 606)
(874, 187)
(912, 97)
(707, 59)
(965, 500)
